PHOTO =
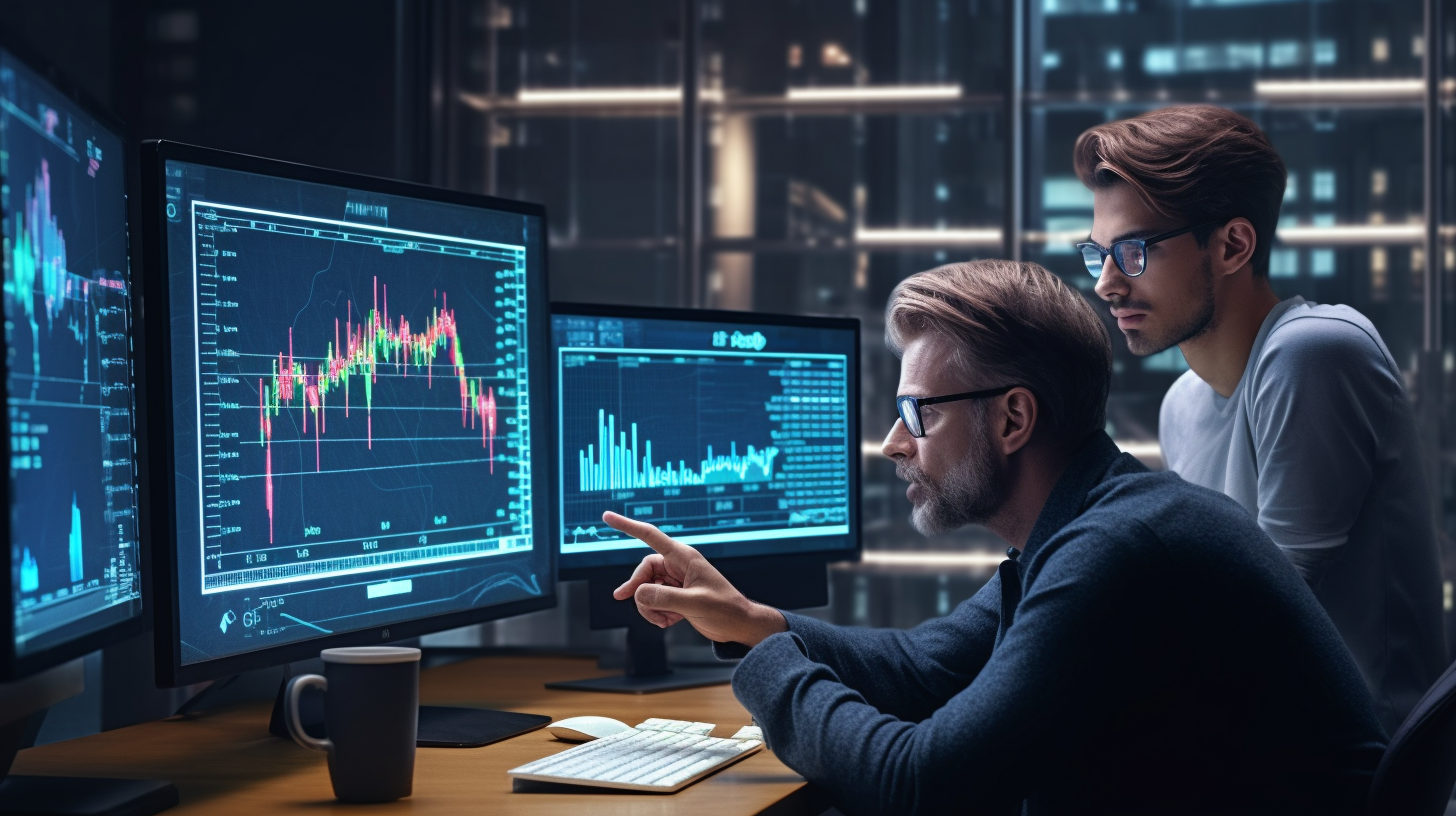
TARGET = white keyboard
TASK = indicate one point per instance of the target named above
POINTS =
(660, 756)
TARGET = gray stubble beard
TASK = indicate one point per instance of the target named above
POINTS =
(970, 494)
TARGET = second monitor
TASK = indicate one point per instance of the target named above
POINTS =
(735, 433)
(344, 368)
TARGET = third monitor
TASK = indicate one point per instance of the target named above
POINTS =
(735, 433)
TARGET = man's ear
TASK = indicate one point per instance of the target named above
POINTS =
(1237, 247)
(1019, 414)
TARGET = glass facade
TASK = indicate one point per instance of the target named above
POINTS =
(835, 146)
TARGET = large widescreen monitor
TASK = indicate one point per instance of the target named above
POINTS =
(75, 575)
(348, 368)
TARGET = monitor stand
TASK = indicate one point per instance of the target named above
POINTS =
(72, 795)
(647, 668)
(439, 726)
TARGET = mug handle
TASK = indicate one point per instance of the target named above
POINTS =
(290, 711)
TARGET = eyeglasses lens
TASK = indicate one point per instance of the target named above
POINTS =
(1131, 257)
(1092, 257)
(910, 417)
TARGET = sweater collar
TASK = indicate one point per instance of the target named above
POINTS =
(1067, 500)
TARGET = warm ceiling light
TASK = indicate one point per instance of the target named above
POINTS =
(932, 560)
(1340, 89)
(1352, 235)
(875, 93)
(928, 237)
(599, 96)
(833, 55)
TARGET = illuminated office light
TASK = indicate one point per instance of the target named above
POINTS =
(1379, 182)
(1285, 53)
(1380, 49)
(833, 55)
(1340, 89)
(598, 96)
(1284, 263)
(607, 96)
(932, 560)
(1379, 275)
(1352, 235)
(876, 93)
(928, 237)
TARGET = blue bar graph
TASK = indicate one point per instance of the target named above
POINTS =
(78, 568)
(616, 462)
(29, 572)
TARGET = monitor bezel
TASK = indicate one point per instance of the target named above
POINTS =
(738, 564)
(160, 523)
(14, 666)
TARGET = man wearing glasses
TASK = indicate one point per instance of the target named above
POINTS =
(1296, 410)
(1144, 649)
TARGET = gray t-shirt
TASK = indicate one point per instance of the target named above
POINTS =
(1319, 444)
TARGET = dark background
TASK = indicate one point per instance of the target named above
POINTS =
(426, 90)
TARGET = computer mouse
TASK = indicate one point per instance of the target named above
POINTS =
(586, 729)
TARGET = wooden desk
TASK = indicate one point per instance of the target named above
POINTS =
(225, 761)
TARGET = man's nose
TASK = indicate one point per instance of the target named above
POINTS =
(1112, 283)
(898, 442)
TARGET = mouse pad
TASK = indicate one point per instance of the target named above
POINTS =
(440, 726)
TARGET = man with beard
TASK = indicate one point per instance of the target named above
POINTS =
(1144, 649)
(1295, 410)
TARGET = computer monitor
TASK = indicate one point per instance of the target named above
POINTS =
(73, 582)
(345, 368)
(736, 433)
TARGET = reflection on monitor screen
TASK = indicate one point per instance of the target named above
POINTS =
(349, 375)
(733, 438)
(73, 523)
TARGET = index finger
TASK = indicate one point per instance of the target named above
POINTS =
(642, 531)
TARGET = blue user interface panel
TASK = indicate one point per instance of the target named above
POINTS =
(68, 357)
(351, 406)
(733, 438)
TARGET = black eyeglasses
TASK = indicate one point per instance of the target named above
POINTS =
(1131, 255)
(909, 407)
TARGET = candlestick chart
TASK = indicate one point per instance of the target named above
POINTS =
(374, 342)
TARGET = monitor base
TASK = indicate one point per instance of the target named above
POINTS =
(673, 680)
(439, 726)
(647, 669)
(81, 796)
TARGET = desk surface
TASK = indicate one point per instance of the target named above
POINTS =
(225, 761)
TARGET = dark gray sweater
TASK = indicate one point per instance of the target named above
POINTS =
(1150, 652)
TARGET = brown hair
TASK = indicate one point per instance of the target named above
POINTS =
(1195, 163)
(1014, 323)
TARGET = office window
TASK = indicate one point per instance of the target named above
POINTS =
(845, 144)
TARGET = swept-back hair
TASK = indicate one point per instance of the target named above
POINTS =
(1013, 323)
(1192, 163)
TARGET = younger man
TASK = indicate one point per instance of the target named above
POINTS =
(1294, 409)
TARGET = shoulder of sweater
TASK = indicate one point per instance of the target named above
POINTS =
(1131, 514)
